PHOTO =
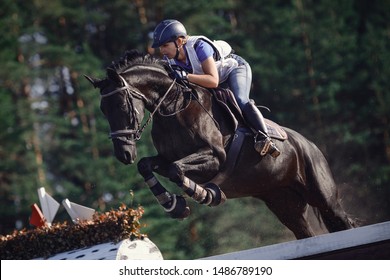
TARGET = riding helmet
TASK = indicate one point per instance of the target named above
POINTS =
(168, 31)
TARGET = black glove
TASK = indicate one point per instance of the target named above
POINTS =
(179, 74)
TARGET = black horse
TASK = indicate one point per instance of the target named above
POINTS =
(194, 137)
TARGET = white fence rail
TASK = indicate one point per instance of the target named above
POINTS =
(367, 242)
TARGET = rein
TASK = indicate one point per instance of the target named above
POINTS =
(135, 133)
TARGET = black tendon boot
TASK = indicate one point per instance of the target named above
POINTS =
(263, 143)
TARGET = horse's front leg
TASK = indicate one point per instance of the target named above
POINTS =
(174, 205)
(202, 165)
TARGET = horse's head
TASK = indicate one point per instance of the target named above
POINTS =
(134, 83)
(123, 107)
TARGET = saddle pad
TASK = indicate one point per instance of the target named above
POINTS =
(275, 131)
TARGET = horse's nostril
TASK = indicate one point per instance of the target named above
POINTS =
(129, 159)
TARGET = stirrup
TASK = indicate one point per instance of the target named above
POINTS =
(273, 150)
(266, 146)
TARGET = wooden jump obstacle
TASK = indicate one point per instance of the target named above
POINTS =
(370, 242)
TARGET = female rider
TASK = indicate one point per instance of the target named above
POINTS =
(208, 65)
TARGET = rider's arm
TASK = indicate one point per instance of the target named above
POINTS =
(210, 78)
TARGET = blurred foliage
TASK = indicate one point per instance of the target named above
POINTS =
(321, 66)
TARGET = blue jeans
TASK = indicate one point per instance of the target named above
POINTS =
(240, 81)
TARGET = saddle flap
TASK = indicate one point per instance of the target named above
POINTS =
(226, 100)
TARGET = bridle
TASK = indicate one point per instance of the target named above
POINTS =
(130, 135)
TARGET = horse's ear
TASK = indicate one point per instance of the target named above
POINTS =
(97, 83)
(93, 81)
(113, 75)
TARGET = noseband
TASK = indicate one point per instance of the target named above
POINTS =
(130, 135)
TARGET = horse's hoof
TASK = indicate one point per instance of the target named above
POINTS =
(186, 213)
(179, 208)
(180, 216)
(218, 196)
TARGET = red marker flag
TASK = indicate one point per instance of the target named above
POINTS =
(37, 219)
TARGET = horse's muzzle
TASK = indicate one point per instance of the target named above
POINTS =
(125, 152)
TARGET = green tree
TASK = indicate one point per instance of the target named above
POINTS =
(21, 166)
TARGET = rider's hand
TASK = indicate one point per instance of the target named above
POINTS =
(179, 74)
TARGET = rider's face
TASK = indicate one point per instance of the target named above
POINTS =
(168, 49)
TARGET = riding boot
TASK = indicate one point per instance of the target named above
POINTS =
(263, 143)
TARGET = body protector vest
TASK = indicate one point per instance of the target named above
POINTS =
(225, 64)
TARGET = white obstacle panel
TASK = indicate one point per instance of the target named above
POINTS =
(49, 205)
(78, 212)
(125, 250)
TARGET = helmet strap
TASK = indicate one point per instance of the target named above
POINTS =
(177, 51)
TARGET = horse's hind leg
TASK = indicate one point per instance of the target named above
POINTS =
(332, 213)
(335, 218)
(290, 208)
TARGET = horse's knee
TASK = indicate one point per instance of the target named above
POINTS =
(175, 174)
(145, 167)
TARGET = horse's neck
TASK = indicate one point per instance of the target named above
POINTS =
(151, 81)
(164, 94)
(173, 101)
(161, 92)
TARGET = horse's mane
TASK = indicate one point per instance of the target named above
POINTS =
(134, 57)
